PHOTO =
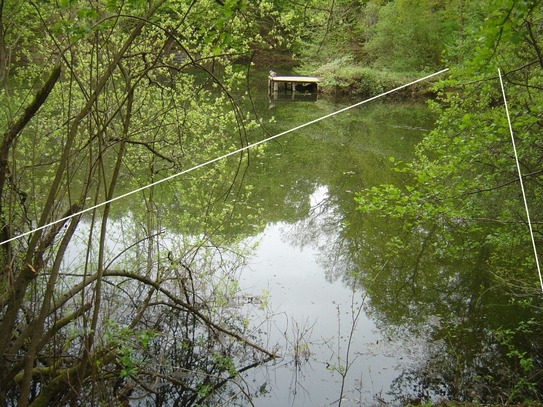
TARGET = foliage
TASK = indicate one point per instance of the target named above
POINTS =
(334, 28)
(133, 298)
(410, 35)
(460, 209)
(403, 36)
(101, 98)
(344, 77)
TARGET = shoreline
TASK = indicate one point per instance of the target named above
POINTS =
(340, 78)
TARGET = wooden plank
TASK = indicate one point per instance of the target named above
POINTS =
(297, 79)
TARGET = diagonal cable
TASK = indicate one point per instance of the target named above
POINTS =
(521, 181)
(214, 160)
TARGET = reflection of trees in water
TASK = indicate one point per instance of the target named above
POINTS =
(481, 349)
(468, 361)
(167, 336)
(320, 229)
(469, 358)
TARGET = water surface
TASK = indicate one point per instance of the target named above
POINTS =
(303, 266)
(358, 307)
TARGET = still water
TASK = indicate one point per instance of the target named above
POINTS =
(315, 317)
(331, 345)
(359, 310)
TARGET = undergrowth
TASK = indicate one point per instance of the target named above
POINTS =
(343, 76)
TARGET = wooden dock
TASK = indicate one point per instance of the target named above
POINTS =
(293, 83)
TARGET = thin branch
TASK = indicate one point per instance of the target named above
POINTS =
(190, 308)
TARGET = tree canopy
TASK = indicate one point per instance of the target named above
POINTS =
(462, 211)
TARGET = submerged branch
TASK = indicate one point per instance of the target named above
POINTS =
(190, 308)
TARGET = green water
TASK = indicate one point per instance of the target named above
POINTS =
(350, 315)
(430, 327)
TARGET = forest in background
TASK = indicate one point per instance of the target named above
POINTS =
(103, 97)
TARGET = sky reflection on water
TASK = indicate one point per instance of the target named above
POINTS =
(301, 300)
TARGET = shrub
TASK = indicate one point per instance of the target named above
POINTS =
(344, 77)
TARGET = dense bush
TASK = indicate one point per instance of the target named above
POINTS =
(343, 76)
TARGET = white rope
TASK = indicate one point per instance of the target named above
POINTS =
(221, 157)
(521, 181)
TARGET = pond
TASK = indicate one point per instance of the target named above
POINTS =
(285, 260)
(333, 345)
(355, 324)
